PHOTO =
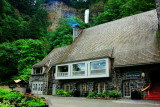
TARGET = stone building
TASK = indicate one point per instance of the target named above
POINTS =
(120, 55)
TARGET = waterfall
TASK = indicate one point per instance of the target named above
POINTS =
(86, 16)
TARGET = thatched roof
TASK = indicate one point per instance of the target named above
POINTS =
(130, 40)
(52, 57)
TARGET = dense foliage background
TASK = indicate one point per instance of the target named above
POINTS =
(25, 38)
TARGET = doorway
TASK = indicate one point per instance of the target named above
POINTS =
(155, 77)
(126, 89)
(54, 89)
(37, 88)
(82, 87)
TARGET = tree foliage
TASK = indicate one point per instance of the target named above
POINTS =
(38, 24)
(14, 25)
(28, 7)
(9, 61)
(62, 35)
(115, 9)
(18, 57)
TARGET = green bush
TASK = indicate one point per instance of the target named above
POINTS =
(91, 95)
(113, 94)
(103, 94)
(70, 93)
(4, 91)
(6, 103)
(16, 96)
(17, 99)
(62, 92)
(32, 103)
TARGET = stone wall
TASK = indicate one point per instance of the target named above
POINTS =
(135, 83)
(40, 78)
(115, 82)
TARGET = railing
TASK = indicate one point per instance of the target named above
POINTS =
(62, 74)
(146, 87)
(98, 72)
(78, 73)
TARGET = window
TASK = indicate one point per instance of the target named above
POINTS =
(79, 67)
(41, 87)
(101, 86)
(53, 72)
(37, 70)
(66, 87)
(98, 65)
(63, 68)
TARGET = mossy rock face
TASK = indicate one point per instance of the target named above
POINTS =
(158, 38)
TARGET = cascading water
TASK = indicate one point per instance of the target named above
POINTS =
(86, 16)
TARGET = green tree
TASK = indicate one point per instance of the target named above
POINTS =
(63, 30)
(131, 7)
(115, 9)
(5, 7)
(18, 57)
(62, 35)
(29, 52)
(38, 25)
(28, 7)
(12, 28)
(9, 61)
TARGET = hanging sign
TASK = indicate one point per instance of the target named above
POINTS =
(133, 75)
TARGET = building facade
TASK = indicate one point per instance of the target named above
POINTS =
(121, 55)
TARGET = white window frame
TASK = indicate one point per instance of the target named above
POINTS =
(61, 66)
(97, 61)
(77, 71)
(69, 69)
(107, 69)
(35, 72)
(105, 73)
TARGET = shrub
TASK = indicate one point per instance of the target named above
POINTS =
(6, 103)
(103, 94)
(13, 96)
(62, 92)
(113, 94)
(4, 91)
(91, 95)
(70, 93)
(17, 99)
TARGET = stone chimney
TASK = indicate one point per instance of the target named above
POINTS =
(158, 12)
(76, 31)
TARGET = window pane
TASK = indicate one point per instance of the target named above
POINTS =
(79, 67)
(66, 87)
(98, 65)
(63, 68)
(38, 70)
